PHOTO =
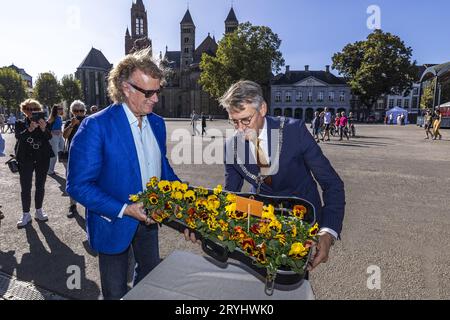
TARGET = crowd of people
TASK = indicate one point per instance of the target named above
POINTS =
(325, 124)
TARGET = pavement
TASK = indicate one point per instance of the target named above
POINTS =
(396, 227)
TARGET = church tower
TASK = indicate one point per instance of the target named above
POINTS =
(139, 29)
(187, 41)
(231, 23)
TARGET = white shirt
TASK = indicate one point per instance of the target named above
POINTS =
(147, 148)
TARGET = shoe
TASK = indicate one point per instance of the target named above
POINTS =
(40, 215)
(72, 211)
(26, 219)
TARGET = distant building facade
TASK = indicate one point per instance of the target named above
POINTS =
(93, 73)
(183, 94)
(299, 94)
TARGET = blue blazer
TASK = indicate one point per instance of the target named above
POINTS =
(301, 160)
(103, 171)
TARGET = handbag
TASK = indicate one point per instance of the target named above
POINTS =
(13, 164)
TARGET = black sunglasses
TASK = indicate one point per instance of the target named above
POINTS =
(148, 93)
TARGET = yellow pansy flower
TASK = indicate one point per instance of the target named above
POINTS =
(177, 195)
(231, 198)
(298, 250)
(183, 187)
(314, 230)
(218, 190)
(134, 198)
(190, 196)
(176, 185)
(165, 186)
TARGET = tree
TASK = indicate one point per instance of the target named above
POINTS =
(70, 89)
(427, 99)
(12, 89)
(380, 65)
(47, 89)
(250, 53)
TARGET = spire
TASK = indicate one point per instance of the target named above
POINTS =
(140, 4)
(127, 34)
(187, 18)
(232, 16)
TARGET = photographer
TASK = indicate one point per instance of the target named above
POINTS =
(78, 112)
(33, 153)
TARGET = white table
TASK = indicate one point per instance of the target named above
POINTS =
(186, 276)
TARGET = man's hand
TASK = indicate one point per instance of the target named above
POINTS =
(191, 237)
(322, 251)
(137, 211)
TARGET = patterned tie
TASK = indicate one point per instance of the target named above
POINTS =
(261, 159)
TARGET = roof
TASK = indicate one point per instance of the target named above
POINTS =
(19, 70)
(174, 58)
(187, 18)
(441, 70)
(208, 46)
(139, 4)
(232, 16)
(292, 77)
(95, 59)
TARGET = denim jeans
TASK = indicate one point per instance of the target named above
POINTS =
(114, 268)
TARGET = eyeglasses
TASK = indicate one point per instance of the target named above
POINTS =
(148, 93)
(79, 111)
(244, 122)
(32, 109)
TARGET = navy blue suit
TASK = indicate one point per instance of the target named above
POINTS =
(301, 160)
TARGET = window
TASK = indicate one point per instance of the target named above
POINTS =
(186, 50)
(391, 103)
(299, 96)
(331, 96)
(186, 40)
(186, 30)
(342, 96)
(320, 96)
(139, 26)
(310, 96)
(416, 91)
(399, 102)
(406, 103)
(278, 96)
(288, 96)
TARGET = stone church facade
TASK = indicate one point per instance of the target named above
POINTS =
(182, 94)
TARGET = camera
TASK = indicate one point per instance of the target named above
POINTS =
(36, 116)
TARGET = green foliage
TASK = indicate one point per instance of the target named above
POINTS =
(70, 89)
(250, 53)
(12, 89)
(379, 65)
(47, 89)
(427, 99)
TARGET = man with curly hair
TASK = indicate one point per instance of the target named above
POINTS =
(113, 155)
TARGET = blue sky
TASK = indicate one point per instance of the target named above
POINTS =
(43, 35)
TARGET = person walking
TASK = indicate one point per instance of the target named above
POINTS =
(315, 125)
(327, 124)
(203, 117)
(11, 122)
(343, 121)
(428, 124)
(55, 123)
(2, 123)
(33, 153)
(437, 120)
(194, 119)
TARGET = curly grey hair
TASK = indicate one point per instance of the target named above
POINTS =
(139, 60)
(241, 93)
